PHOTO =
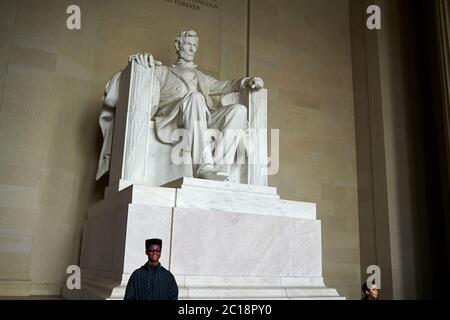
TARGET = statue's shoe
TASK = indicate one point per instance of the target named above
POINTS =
(210, 173)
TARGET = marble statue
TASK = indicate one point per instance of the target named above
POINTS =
(183, 97)
(278, 242)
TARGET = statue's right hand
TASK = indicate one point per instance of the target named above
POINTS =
(144, 59)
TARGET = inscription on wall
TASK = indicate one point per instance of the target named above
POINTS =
(195, 4)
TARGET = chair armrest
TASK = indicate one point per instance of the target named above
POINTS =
(256, 101)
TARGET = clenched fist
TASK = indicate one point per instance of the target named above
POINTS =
(254, 83)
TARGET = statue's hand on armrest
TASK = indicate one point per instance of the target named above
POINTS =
(144, 59)
(254, 83)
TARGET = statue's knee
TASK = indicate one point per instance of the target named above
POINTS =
(197, 98)
(196, 103)
(239, 111)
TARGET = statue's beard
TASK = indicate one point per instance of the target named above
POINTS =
(186, 56)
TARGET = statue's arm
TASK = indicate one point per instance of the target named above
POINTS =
(217, 87)
(106, 122)
(110, 98)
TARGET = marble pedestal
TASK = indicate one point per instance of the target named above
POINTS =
(220, 240)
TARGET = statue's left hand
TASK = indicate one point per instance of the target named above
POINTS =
(144, 59)
(255, 83)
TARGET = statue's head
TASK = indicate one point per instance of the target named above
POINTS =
(186, 45)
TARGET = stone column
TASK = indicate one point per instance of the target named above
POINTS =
(443, 29)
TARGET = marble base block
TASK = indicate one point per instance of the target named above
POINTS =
(244, 244)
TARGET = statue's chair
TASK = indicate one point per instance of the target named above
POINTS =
(138, 157)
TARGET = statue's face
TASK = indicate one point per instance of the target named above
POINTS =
(188, 49)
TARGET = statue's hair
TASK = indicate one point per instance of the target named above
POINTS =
(183, 35)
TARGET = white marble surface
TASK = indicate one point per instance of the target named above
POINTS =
(221, 186)
(237, 244)
(244, 203)
(257, 123)
(214, 287)
(214, 253)
(245, 293)
(234, 197)
(220, 196)
(142, 194)
(114, 241)
(145, 222)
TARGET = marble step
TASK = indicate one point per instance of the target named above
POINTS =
(217, 196)
(220, 288)
(234, 197)
(260, 294)
(243, 203)
(221, 186)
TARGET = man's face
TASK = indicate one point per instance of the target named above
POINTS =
(154, 253)
(188, 49)
(373, 292)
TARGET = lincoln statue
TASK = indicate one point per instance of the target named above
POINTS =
(183, 98)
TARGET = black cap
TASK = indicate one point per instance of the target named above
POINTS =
(150, 242)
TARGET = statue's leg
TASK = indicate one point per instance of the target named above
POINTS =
(194, 117)
(230, 120)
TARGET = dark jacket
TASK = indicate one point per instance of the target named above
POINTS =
(148, 283)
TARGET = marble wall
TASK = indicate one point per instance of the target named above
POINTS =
(52, 80)
(391, 171)
(302, 49)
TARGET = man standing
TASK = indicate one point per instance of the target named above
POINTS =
(185, 98)
(152, 281)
